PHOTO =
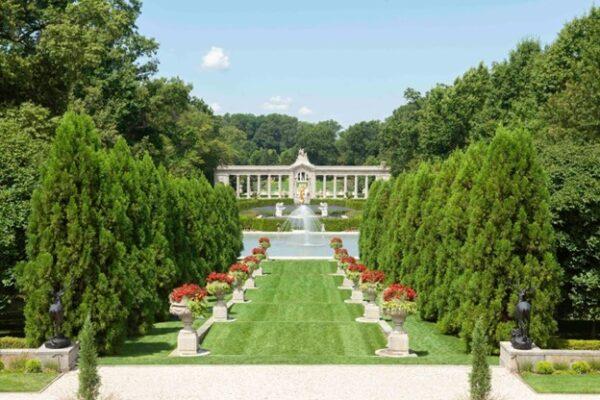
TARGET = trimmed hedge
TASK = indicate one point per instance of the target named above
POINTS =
(355, 204)
(468, 234)
(341, 224)
(576, 344)
(116, 234)
(275, 224)
(246, 204)
(10, 342)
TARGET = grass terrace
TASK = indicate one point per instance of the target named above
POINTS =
(297, 316)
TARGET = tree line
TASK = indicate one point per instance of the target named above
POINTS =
(115, 234)
(469, 233)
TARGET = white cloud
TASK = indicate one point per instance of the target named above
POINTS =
(278, 103)
(304, 111)
(216, 107)
(215, 59)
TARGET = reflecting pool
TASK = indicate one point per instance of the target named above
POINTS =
(301, 243)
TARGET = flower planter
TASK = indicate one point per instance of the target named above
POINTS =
(397, 341)
(187, 339)
(357, 295)
(372, 314)
(250, 283)
(220, 312)
(346, 283)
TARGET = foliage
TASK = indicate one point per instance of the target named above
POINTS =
(116, 234)
(341, 224)
(576, 344)
(581, 367)
(246, 204)
(9, 342)
(480, 376)
(33, 366)
(544, 368)
(89, 380)
(359, 142)
(372, 225)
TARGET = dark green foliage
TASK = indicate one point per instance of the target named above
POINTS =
(89, 380)
(480, 378)
(367, 226)
(116, 234)
(469, 233)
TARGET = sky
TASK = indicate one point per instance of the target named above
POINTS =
(347, 60)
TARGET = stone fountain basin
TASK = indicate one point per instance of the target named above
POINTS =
(301, 244)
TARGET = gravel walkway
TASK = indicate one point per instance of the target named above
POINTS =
(335, 382)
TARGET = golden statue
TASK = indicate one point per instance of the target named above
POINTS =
(301, 193)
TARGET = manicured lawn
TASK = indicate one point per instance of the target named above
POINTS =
(563, 383)
(296, 316)
(21, 382)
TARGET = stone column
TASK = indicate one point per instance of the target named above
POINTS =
(279, 185)
(258, 186)
(356, 186)
(237, 186)
(269, 186)
(291, 186)
(324, 186)
(335, 186)
(345, 185)
(366, 186)
(248, 187)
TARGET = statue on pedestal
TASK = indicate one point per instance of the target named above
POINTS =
(520, 336)
(323, 208)
(58, 341)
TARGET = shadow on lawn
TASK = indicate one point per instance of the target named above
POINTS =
(142, 349)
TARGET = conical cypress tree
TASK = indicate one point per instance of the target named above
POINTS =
(480, 378)
(428, 238)
(453, 233)
(89, 380)
(372, 248)
(230, 243)
(509, 242)
(69, 244)
(367, 222)
(417, 195)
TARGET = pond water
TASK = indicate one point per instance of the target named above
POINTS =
(301, 243)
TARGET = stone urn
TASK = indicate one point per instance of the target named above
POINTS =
(250, 282)
(346, 283)
(371, 314)
(220, 312)
(397, 341)
(187, 339)
(357, 294)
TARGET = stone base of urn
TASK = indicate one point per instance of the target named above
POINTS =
(356, 298)
(220, 312)
(238, 296)
(397, 341)
(346, 284)
(187, 339)
(250, 283)
(258, 272)
(371, 314)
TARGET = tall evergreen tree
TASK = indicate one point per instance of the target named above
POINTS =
(89, 380)
(230, 243)
(480, 378)
(367, 220)
(509, 241)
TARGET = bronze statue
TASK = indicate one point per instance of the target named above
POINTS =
(520, 336)
(58, 341)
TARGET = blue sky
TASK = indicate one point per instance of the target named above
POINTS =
(346, 60)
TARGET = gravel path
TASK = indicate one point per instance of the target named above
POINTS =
(335, 382)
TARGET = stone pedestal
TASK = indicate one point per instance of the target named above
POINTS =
(187, 343)
(258, 272)
(220, 313)
(66, 358)
(250, 283)
(397, 341)
(371, 314)
(346, 284)
(356, 298)
(238, 296)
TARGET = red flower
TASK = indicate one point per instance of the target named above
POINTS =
(335, 239)
(259, 250)
(357, 268)
(264, 239)
(188, 290)
(239, 267)
(251, 259)
(341, 251)
(372, 276)
(220, 277)
(348, 260)
(400, 292)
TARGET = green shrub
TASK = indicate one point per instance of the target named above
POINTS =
(246, 204)
(9, 342)
(595, 365)
(17, 364)
(33, 366)
(89, 380)
(341, 224)
(261, 224)
(1, 366)
(581, 367)
(480, 378)
(576, 344)
(354, 204)
(544, 368)
(52, 366)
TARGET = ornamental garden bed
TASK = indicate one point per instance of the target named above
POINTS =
(295, 296)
